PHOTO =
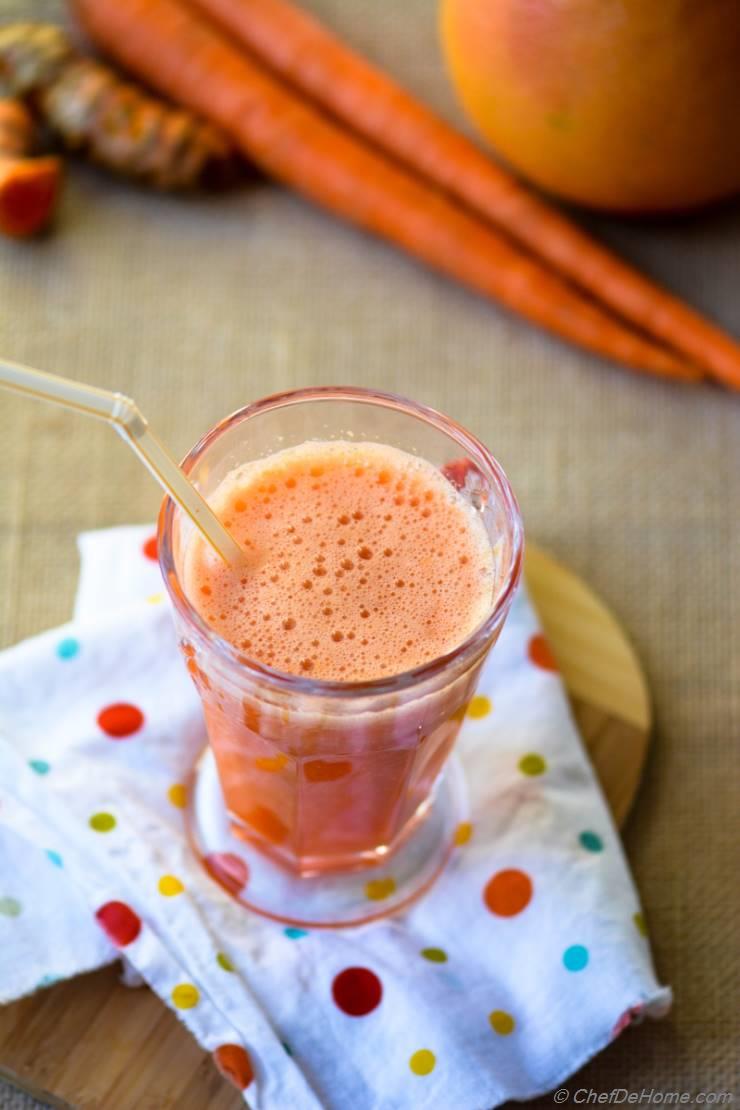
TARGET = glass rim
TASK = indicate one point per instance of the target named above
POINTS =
(468, 649)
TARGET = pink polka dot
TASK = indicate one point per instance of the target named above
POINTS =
(119, 922)
(357, 991)
(120, 720)
(230, 871)
(540, 653)
(149, 548)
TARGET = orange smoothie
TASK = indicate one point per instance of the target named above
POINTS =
(363, 562)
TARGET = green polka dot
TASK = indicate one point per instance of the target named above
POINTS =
(10, 907)
(40, 766)
(591, 842)
(102, 822)
(640, 923)
(532, 764)
(436, 955)
(224, 962)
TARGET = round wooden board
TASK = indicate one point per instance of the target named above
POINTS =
(92, 1043)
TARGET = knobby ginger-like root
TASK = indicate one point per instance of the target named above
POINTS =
(114, 122)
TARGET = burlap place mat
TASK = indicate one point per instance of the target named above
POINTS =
(196, 306)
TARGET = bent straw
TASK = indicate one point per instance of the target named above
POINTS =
(123, 414)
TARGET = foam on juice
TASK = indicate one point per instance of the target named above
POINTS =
(363, 562)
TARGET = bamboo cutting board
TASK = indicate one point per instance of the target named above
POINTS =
(93, 1044)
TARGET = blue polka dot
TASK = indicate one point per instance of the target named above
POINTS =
(591, 842)
(295, 934)
(55, 858)
(47, 980)
(68, 648)
(575, 958)
(40, 766)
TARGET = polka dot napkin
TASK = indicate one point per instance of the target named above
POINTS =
(527, 957)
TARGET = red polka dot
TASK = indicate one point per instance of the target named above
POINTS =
(230, 871)
(120, 720)
(540, 653)
(357, 991)
(119, 922)
(626, 1019)
(149, 549)
(233, 1062)
(507, 893)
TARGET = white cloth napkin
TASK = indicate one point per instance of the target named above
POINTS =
(525, 958)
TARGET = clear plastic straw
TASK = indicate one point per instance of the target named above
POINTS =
(123, 414)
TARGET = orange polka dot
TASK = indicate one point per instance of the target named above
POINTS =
(324, 770)
(234, 1063)
(200, 678)
(463, 832)
(508, 892)
(540, 653)
(149, 548)
(251, 715)
(264, 821)
(271, 763)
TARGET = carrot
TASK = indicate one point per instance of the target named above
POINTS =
(315, 61)
(28, 186)
(185, 57)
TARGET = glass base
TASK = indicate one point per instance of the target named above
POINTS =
(326, 901)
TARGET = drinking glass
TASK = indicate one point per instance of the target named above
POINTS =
(323, 802)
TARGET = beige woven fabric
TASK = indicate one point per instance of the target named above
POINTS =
(196, 306)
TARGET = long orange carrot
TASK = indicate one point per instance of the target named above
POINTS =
(309, 56)
(182, 55)
(28, 186)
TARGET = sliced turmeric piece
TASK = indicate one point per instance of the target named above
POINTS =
(28, 186)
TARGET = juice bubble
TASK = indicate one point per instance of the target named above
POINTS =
(370, 518)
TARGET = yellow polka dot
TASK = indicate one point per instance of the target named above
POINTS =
(422, 1062)
(102, 822)
(155, 599)
(459, 714)
(178, 795)
(185, 996)
(271, 762)
(463, 832)
(377, 889)
(532, 764)
(640, 923)
(170, 885)
(501, 1022)
(479, 707)
(224, 962)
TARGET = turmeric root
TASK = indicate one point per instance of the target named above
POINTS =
(117, 124)
(28, 186)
